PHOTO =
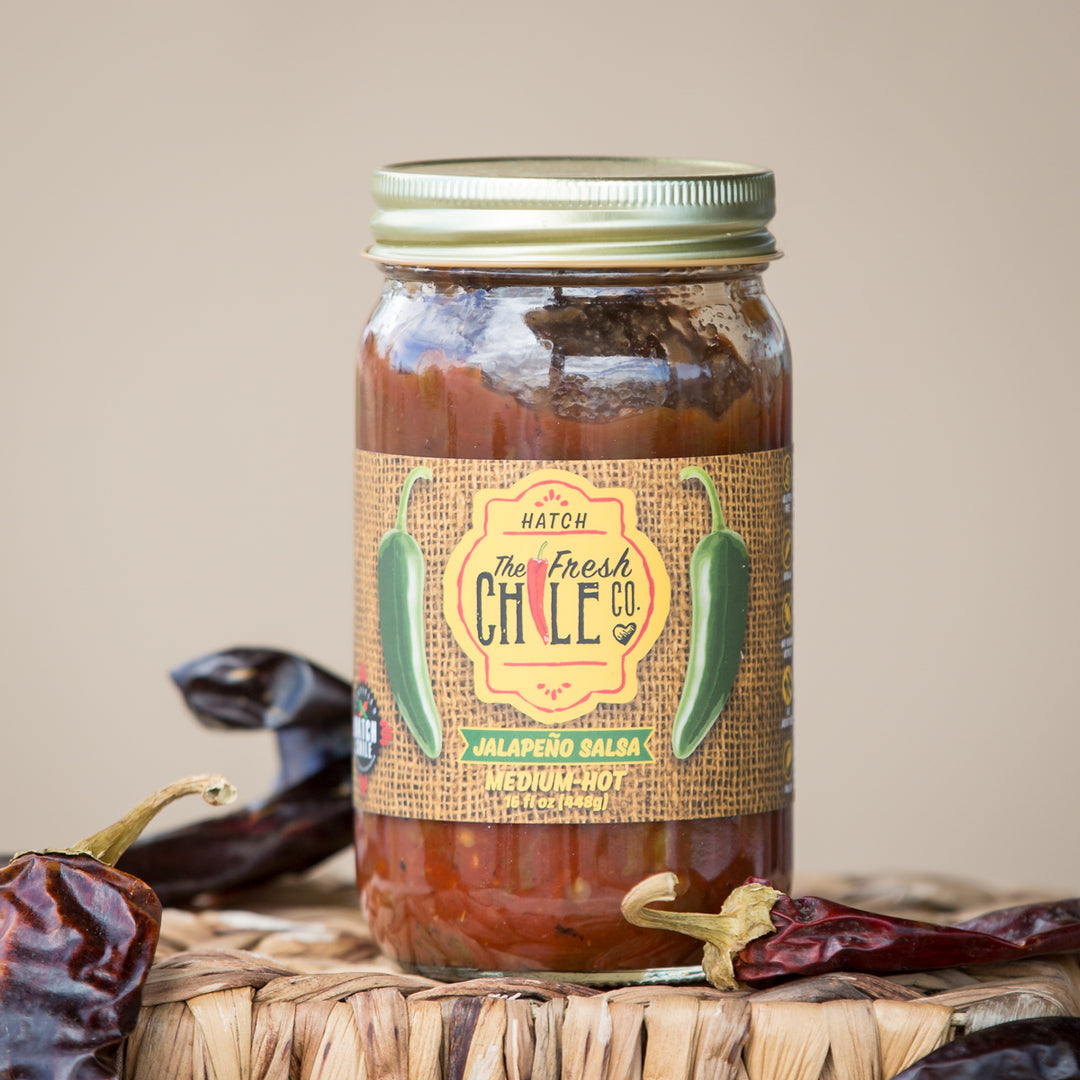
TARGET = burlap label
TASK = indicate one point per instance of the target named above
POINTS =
(573, 640)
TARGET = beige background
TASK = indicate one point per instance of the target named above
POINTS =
(183, 203)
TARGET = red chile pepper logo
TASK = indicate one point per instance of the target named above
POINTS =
(555, 595)
(536, 579)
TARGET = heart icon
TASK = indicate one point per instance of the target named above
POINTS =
(624, 631)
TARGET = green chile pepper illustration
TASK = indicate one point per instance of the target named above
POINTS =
(400, 570)
(719, 588)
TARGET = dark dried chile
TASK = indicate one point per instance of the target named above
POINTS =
(1046, 1048)
(77, 937)
(761, 936)
(309, 814)
(813, 936)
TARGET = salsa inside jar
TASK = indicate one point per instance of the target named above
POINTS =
(564, 365)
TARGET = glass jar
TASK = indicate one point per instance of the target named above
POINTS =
(573, 491)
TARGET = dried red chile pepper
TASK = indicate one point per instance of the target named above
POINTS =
(814, 936)
(77, 937)
(761, 936)
(309, 814)
(1046, 1048)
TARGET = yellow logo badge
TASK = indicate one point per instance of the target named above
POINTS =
(555, 595)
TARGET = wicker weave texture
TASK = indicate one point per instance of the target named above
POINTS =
(234, 1015)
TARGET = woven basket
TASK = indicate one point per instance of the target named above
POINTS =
(299, 993)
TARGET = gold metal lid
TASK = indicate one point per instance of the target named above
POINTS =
(575, 211)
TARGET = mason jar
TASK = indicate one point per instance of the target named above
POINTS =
(573, 561)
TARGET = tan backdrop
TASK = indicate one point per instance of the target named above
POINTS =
(183, 203)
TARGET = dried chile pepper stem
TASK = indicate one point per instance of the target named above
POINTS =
(743, 918)
(719, 588)
(400, 572)
(536, 579)
(108, 844)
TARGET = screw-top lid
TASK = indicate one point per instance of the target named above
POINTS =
(557, 212)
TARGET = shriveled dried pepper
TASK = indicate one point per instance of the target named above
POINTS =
(535, 580)
(810, 935)
(77, 937)
(400, 572)
(719, 587)
(1043, 1048)
(290, 832)
(306, 818)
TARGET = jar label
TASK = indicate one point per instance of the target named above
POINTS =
(555, 595)
(573, 640)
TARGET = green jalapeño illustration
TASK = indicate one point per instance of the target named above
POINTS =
(719, 588)
(400, 571)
